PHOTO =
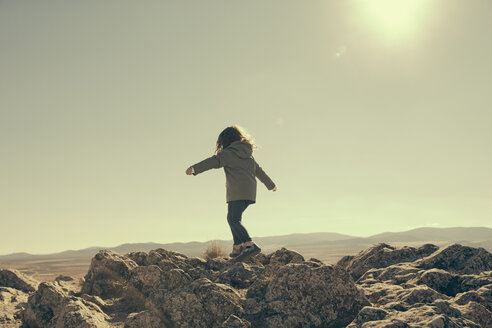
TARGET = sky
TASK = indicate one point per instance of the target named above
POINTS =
(370, 116)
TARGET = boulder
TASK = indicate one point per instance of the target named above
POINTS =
(107, 274)
(235, 322)
(239, 275)
(51, 307)
(284, 256)
(458, 259)
(305, 295)
(16, 279)
(477, 313)
(368, 313)
(146, 319)
(381, 256)
(11, 302)
(202, 304)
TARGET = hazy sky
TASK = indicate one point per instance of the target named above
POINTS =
(371, 116)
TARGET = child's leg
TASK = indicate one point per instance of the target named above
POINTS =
(231, 211)
(239, 232)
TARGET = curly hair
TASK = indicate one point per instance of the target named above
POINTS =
(231, 134)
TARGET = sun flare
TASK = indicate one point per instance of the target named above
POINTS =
(395, 20)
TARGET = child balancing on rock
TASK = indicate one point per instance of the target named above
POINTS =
(234, 153)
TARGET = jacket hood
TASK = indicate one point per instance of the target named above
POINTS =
(241, 149)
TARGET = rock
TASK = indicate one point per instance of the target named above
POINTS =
(406, 287)
(396, 274)
(51, 307)
(107, 274)
(202, 304)
(239, 275)
(449, 288)
(458, 259)
(477, 313)
(11, 300)
(96, 300)
(300, 294)
(442, 281)
(235, 322)
(390, 323)
(63, 278)
(284, 256)
(368, 313)
(421, 316)
(381, 256)
(16, 279)
(145, 319)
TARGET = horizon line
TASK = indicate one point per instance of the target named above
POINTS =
(210, 240)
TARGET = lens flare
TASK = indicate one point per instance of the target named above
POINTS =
(395, 20)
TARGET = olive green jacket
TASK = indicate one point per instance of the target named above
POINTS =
(241, 171)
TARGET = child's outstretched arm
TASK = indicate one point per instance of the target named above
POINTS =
(263, 177)
(213, 162)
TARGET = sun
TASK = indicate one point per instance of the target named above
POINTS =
(395, 20)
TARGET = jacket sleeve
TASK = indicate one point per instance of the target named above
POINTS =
(263, 177)
(213, 162)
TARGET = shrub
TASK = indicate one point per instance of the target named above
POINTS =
(214, 250)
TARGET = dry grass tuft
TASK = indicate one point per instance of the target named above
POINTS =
(214, 250)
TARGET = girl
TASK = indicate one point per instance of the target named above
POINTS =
(234, 153)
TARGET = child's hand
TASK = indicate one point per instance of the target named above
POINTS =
(274, 189)
(189, 171)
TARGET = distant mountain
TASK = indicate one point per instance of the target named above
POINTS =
(318, 244)
(436, 234)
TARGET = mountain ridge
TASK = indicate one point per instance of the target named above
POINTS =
(474, 235)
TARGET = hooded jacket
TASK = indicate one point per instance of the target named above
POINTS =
(241, 171)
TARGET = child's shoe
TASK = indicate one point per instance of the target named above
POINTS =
(236, 252)
(250, 250)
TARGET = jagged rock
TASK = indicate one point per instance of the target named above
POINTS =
(368, 313)
(408, 287)
(396, 274)
(107, 274)
(62, 277)
(145, 319)
(95, 299)
(302, 294)
(202, 304)
(11, 301)
(16, 279)
(436, 291)
(420, 294)
(345, 260)
(383, 255)
(51, 307)
(284, 256)
(486, 293)
(239, 275)
(430, 316)
(451, 283)
(235, 322)
(390, 323)
(477, 313)
(458, 259)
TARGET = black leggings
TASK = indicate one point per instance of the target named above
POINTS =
(234, 213)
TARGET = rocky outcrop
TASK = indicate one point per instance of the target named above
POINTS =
(395, 287)
(303, 295)
(459, 259)
(434, 291)
(163, 288)
(51, 307)
(16, 279)
(108, 274)
(381, 256)
(11, 301)
(14, 291)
